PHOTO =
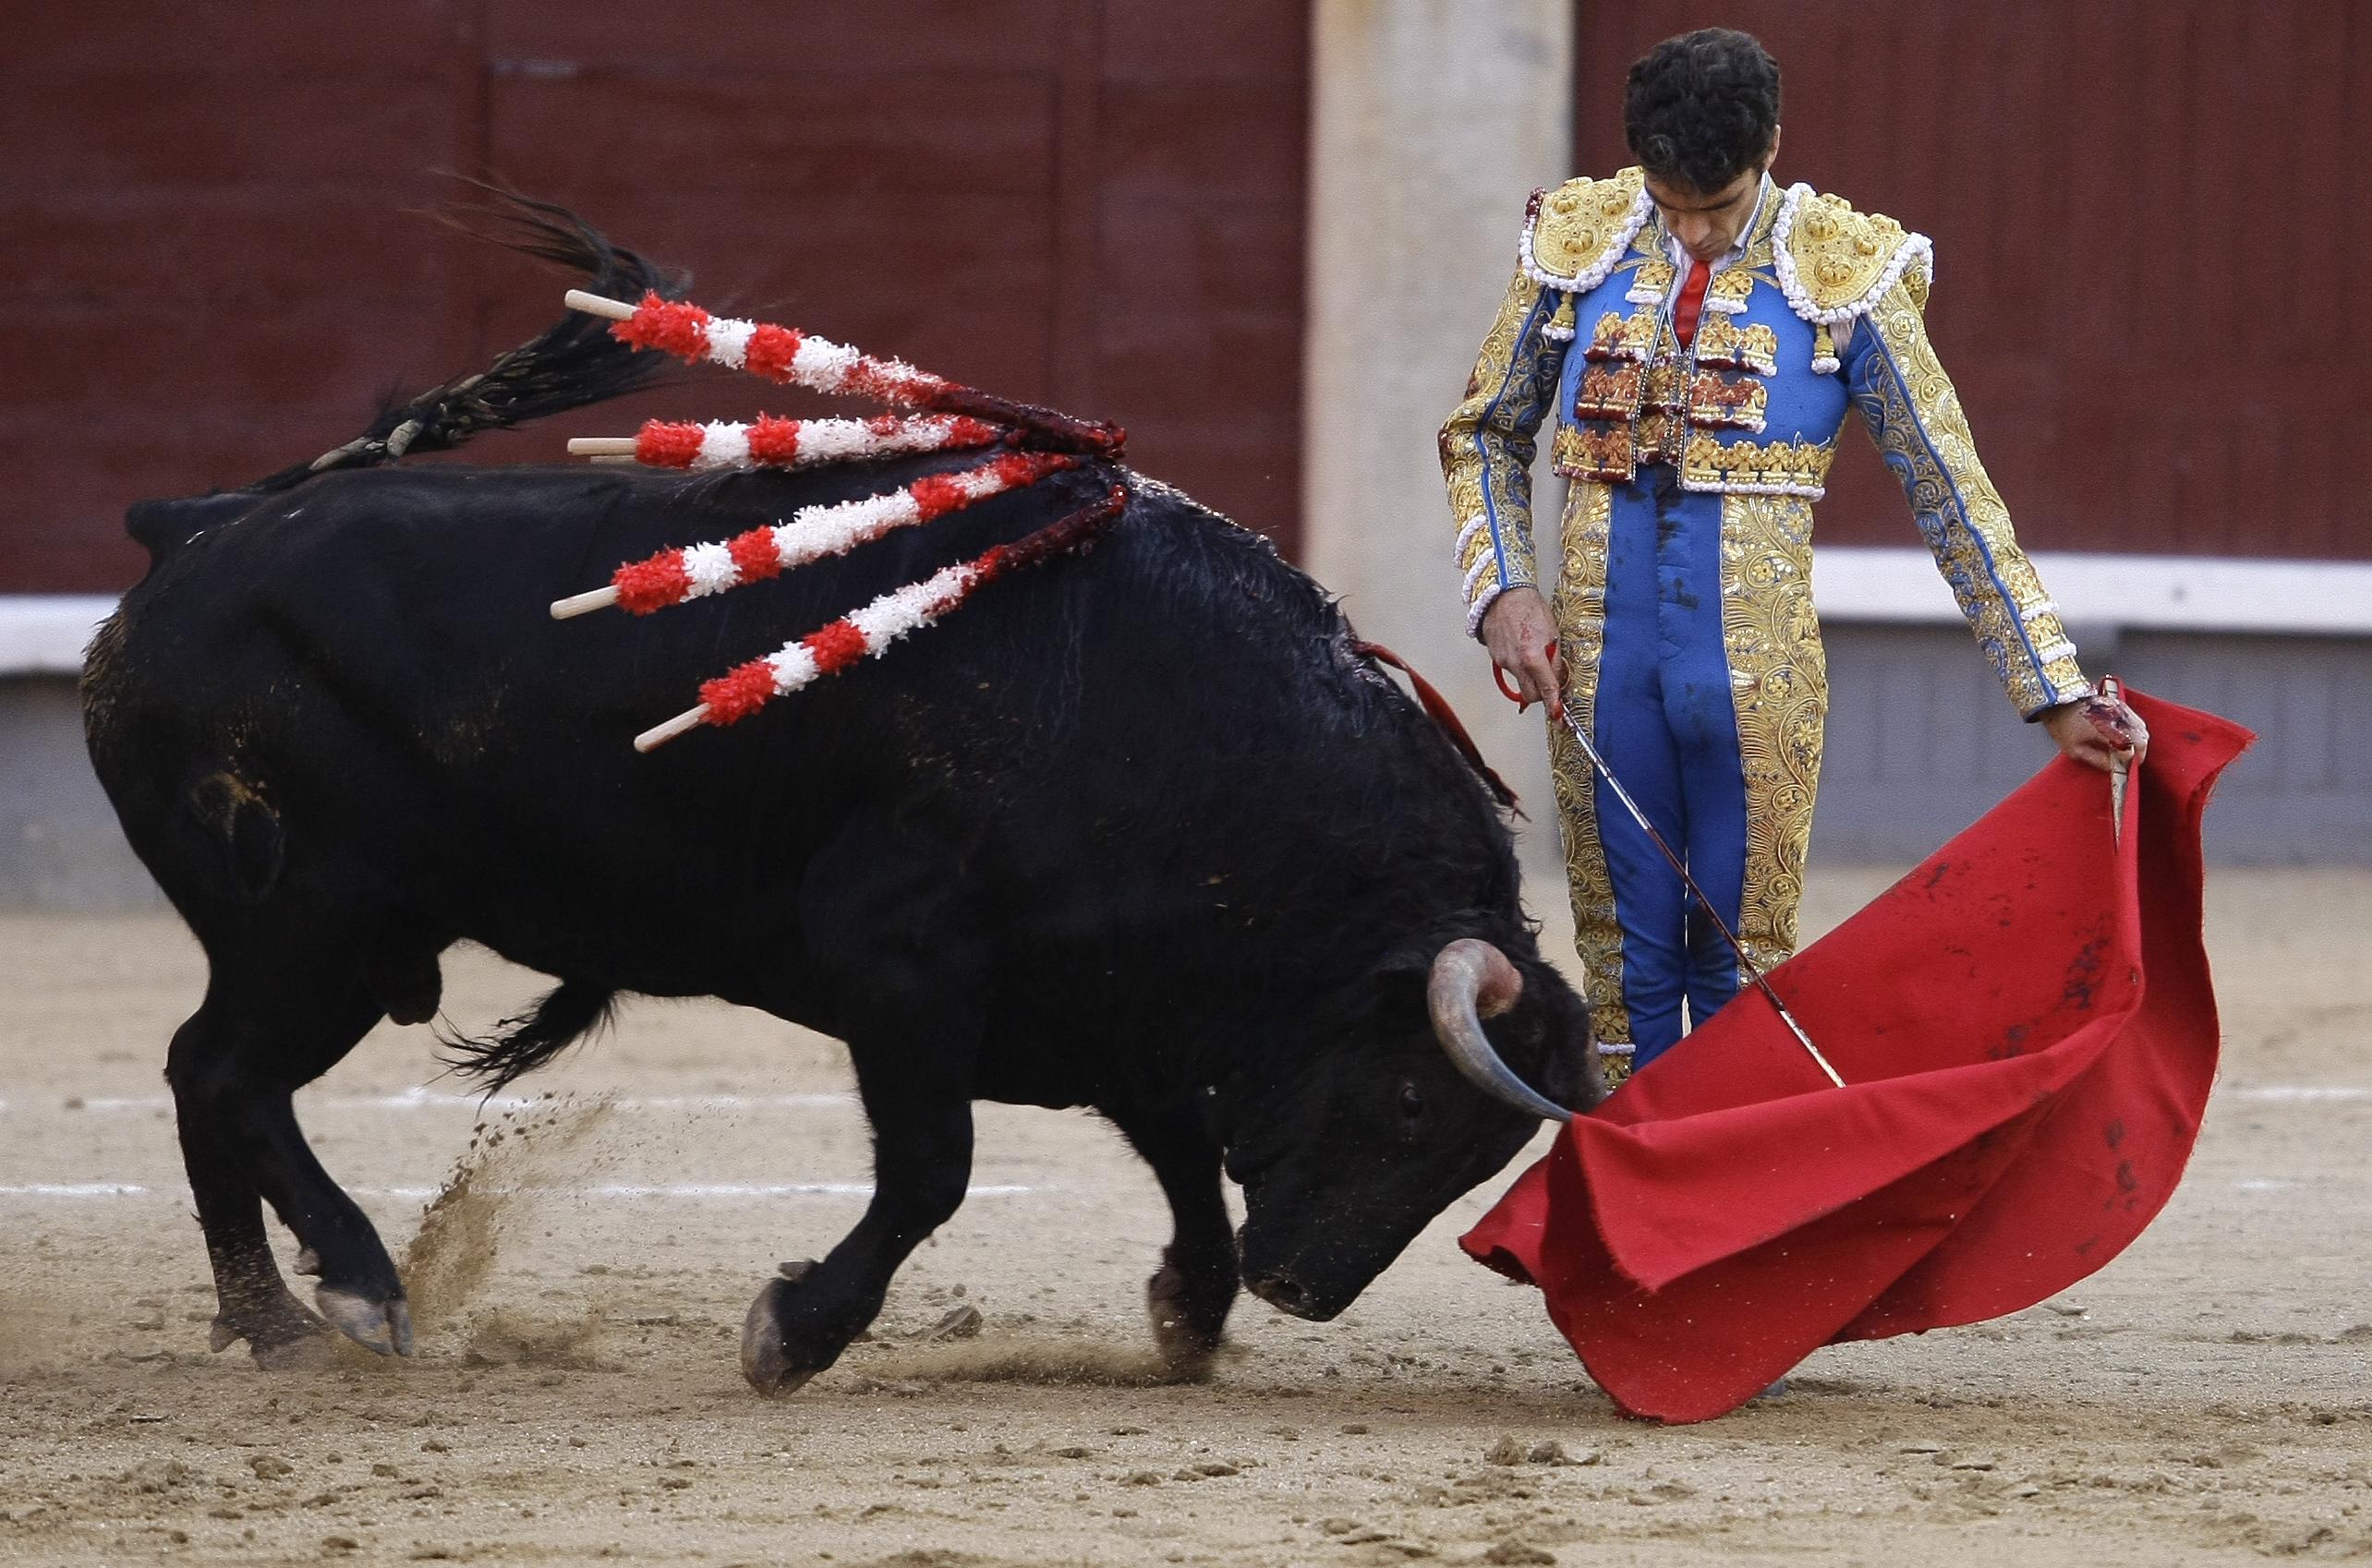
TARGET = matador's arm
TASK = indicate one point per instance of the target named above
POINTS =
(1488, 445)
(1915, 417)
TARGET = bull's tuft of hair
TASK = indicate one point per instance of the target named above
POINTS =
(520, 1044)
(573, 363)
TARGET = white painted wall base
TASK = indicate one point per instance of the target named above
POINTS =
(46, 634)
(2153, 593)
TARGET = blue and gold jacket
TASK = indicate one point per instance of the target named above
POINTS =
(1821, 308)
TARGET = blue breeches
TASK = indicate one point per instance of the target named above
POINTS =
(1665, 719)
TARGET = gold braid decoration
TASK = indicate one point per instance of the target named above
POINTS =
(1779, 686)
(1915, 417)
(1582, 641)
(1576, 226)
(1487, 443)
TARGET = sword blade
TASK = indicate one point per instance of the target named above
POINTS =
(1753, 970)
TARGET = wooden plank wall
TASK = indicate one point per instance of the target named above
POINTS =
(2149, 218)
(211, 215)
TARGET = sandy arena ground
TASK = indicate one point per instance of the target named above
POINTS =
(2206, 1398)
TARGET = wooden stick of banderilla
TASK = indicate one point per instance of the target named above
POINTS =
(598, 305)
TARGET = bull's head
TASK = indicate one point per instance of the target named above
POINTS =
(1342, 1166)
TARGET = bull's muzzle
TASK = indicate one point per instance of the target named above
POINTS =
(1471, 981)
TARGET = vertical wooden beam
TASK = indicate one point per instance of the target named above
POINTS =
(1428, 130)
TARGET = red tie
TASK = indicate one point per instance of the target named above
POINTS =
(1692, 302)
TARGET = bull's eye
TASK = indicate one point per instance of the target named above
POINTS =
(1413, 1103)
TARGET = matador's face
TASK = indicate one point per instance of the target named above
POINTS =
(1708, 224)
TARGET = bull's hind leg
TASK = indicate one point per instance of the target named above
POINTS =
(1192, 1294)
(233, 1067)
(252, 1302)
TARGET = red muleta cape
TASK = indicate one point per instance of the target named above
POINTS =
(2027, 1033)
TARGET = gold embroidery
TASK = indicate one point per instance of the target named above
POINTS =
(1915, 417)
(1779, 686)
(1840, 254)
(1579, 221)
(1713, 399)
(1623, 337)
(1723, 345)
(1727, 401)
(1728, 288)
(1652, 283)
(1487, 443)
(1792, 467)
(1608, 390)
(1581, 640)
(1600, 452)
(1654, 441)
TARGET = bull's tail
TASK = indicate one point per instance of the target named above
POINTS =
(519, 1045)
(570, 363)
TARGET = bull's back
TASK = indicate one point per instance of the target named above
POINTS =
(370, 656)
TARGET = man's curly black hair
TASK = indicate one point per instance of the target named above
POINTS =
(1699, 109)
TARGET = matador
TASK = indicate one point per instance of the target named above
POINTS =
(1699, 333)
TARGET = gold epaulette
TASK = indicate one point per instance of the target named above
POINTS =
(1574, 235)
(1836, 263)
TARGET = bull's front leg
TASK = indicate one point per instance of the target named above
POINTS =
(922, 1166)
(1190, 1297)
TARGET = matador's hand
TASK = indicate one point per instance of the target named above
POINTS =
(1518, 632)
(2089, 727)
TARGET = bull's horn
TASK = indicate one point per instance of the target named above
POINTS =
(1471, 981)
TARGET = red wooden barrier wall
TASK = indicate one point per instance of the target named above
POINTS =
(208, 220)
(2150, 220)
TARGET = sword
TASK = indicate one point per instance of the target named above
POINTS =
(2119, 726)
(1753, 970)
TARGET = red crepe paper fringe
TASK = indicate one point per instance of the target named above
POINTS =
(646, 586)
(774, 441)
(754, 555)
(771, 350)
(670, 326)
(664, 444)
(738, 693)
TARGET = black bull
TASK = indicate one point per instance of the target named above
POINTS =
(1137, 830)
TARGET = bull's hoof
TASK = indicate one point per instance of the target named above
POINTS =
(765, 1358)
(281, 1336)
(384, 1326)
(1188, 1340)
